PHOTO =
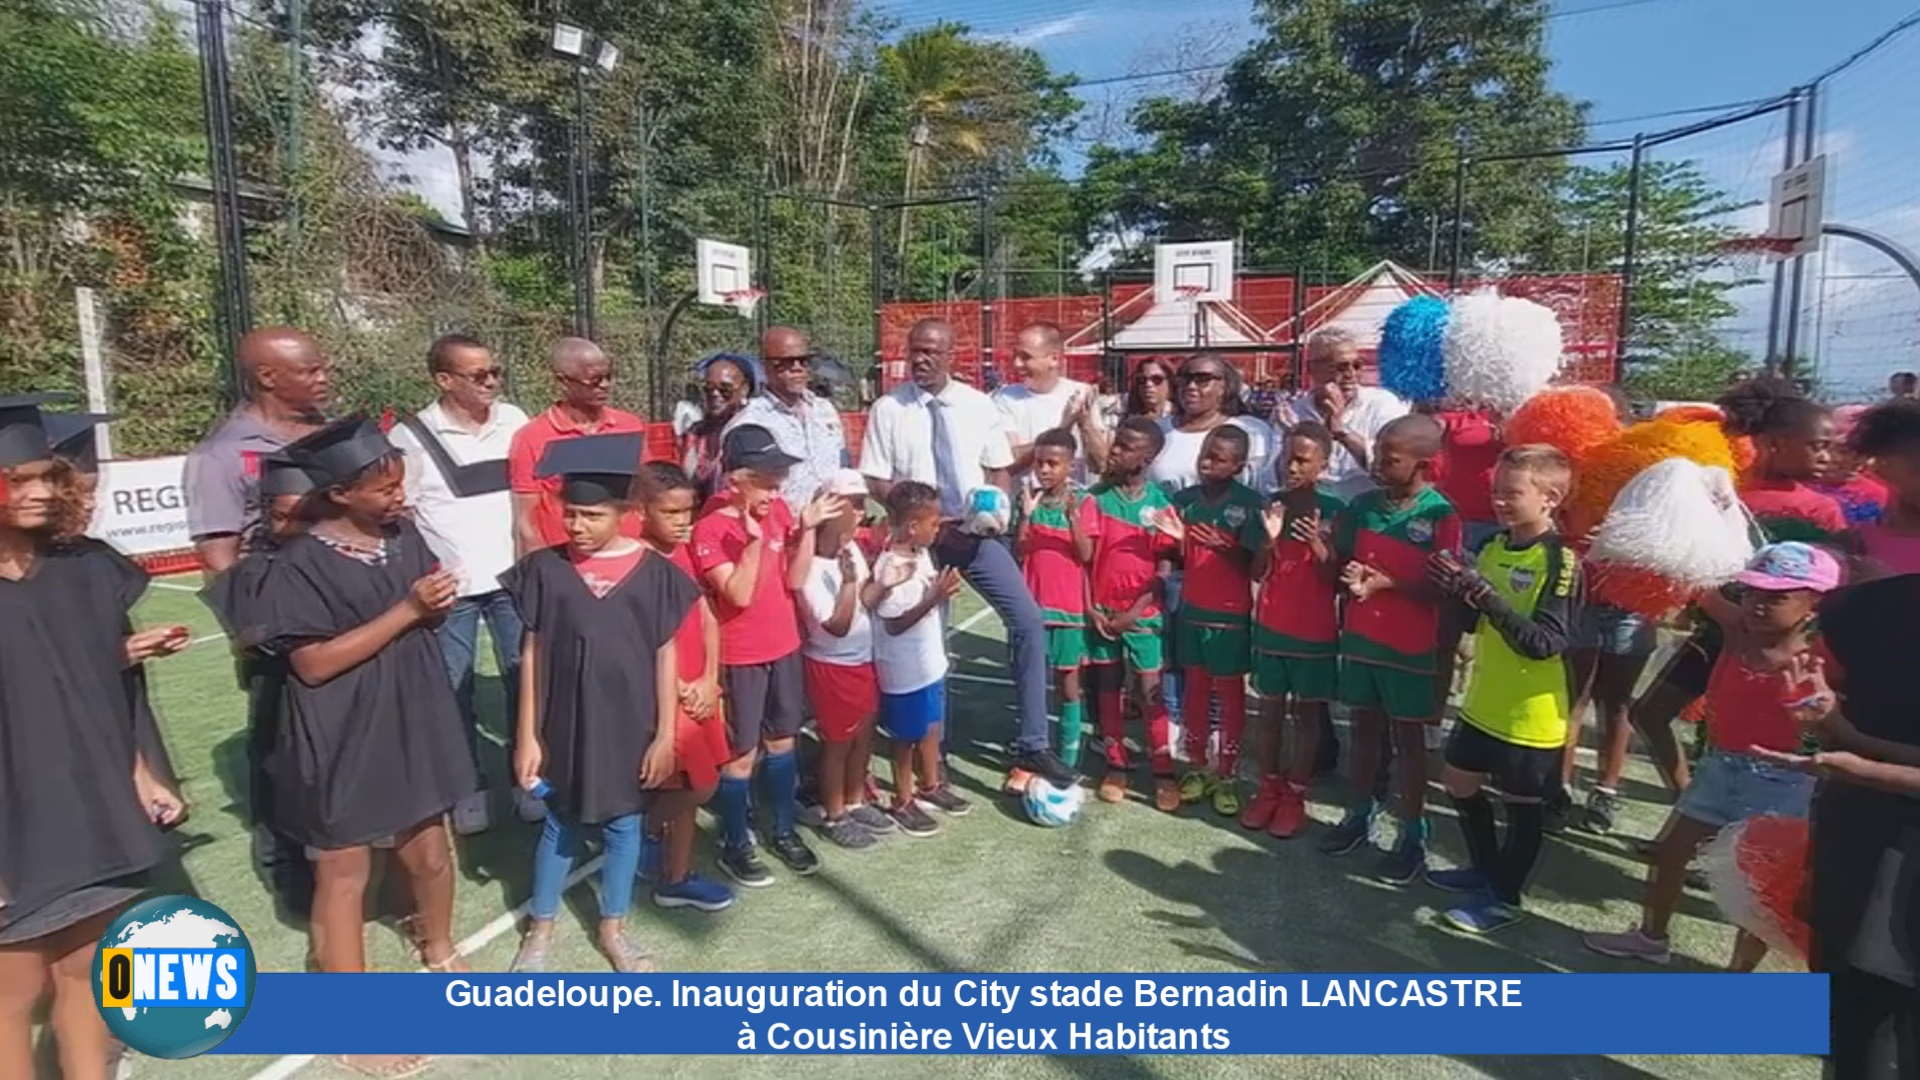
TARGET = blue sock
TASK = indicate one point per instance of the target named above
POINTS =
(783, 788)
(1414, 833)
(731, 802)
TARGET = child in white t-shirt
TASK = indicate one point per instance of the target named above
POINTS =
(841, 683)
(906, 597)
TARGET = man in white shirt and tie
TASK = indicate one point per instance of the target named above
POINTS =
(939, 431)
(456, 451)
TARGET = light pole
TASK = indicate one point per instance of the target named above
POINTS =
(586, 52)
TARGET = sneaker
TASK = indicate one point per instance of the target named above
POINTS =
(1113, 788)
(1265, 802)
(746, 868)
(945, 800)
(793, 851)
(1016, 782)
(1483, 916)
(471, 815)
(1347, 837)
(872, 818)
(914, 821)
(1560, 810)
(1166, 794)
(848, 833)
(696, 892)
(1404, 865)
(1635, 944)
(1049, 765)
(1226, 798)
(1602, 807)
(1193, 787)
(1464, 880)
(1290, 816)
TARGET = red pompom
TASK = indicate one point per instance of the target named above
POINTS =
(1758, 870)
(1572, 419)
(1642, 592)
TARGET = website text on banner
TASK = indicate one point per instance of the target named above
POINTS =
(140, 507)
(1011, 1014)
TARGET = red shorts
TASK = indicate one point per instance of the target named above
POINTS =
(698, 751)
(845, 697)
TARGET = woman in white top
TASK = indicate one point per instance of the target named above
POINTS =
(1207, 394)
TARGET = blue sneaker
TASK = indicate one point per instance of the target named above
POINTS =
(1482, 916)
(1347, 837)
(1404, 865)
(649, 867)
(694, 891)
(1464, 880)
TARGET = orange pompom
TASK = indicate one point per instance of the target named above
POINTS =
(1572, 419)
(1692, 432)
(1642, 592)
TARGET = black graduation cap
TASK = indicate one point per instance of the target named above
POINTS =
(342, 450)
(282, 475)
(23, 431)
(76, 438)
(593, 469)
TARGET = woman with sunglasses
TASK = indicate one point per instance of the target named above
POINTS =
(726, 382)
(1150, 390)
(1206, 394)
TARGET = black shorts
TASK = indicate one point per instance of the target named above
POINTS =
(764, 701)
(1524, 772)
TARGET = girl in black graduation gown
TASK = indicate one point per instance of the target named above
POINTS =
(599, 688)
(80, 807)
(369, 745)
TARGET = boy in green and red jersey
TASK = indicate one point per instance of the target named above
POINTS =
(1054, 551)
(1296, 630)
(1390, 633)
(1220, 529)
(1131, 559)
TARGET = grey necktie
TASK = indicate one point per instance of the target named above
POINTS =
(946, 475)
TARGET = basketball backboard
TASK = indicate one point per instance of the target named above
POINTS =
(724, 270)
(1193, 272)
(1796, 210)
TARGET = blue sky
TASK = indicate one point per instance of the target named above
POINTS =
(1627, 58)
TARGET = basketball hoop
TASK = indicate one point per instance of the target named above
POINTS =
(743, 301)
(1746, 256)
(1189, 294)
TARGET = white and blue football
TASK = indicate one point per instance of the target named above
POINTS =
(1049, 805)
(987, 512)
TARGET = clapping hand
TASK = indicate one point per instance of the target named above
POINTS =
(947, 585)
(1029, 502)
(1306, 529)
(1170, 526)
(1210, 536)
(1362, 581)
(849, 563)
(894, 573)
(823, 507)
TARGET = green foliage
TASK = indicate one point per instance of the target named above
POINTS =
(1698, 370)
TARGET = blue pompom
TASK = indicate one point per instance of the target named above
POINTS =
(1410, 349)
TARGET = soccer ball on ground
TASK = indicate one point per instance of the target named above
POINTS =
(1049, 805)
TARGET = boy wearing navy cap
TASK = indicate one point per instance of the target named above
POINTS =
(752, 555)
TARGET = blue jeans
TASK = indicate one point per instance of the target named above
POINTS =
(989, 566)
(458, 643)
(558, 850)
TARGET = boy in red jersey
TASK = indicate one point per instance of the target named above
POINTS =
(1130, 562)
(1221, 529)
(1296, 629)
(1054, 551)
(1390, 634)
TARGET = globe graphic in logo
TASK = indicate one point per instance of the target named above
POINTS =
(173, 976)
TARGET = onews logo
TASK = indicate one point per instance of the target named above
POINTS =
(174, 975)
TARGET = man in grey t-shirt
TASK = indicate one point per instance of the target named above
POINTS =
(287, 379)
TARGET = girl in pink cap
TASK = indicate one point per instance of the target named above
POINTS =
(1765, 689)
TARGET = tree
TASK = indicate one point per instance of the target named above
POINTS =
(1334, 139)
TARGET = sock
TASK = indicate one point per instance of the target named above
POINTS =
(783, 786)
(1072, 727)
(1113, 725)
(1361, 811)
(1231, 691)
(1195, 713)
(1607, 791)
(1526, 834)
(1159, 734)
(730, 801)
(1413, 833)
(1483, 841)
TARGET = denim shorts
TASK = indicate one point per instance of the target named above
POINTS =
(1615, 631)
(1734, 787)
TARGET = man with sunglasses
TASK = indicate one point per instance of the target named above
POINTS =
(806, 425)
(456, 450)
(584, 376)
(1353, 412)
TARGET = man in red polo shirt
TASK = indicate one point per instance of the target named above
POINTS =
(585, 378)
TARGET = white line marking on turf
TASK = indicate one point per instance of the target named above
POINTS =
(481, 938)
(174, 585)
(986, 680)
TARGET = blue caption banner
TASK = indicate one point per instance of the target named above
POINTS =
(1024, 1014)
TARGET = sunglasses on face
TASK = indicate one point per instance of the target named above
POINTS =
(603, 379)
(1200, 378)
(1150, 378)
(484, 375)
(788, 363)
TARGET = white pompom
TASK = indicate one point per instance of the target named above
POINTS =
(1681, 520)
(1500, 350)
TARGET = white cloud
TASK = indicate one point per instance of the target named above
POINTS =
(1050, 30)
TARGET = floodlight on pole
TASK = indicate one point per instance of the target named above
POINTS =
(608, 59)
(569, 41)
(586, 52)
